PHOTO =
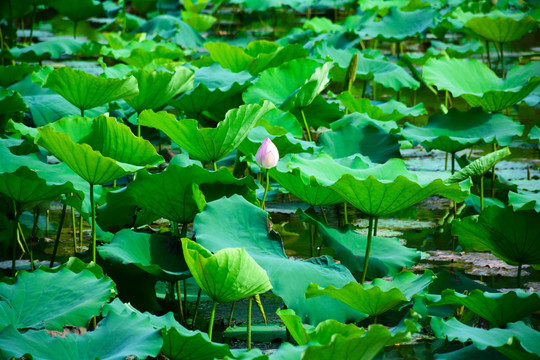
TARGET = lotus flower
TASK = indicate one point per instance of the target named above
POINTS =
(268, 155)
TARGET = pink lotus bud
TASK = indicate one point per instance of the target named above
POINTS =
(268, 155)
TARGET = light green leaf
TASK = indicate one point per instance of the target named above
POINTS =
(479, 166)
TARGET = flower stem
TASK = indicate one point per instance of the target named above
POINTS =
(368, 248)
(212, 316)
(306, 124)
(266, 189)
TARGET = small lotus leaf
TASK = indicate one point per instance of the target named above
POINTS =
(171, 27)
(479, 85)
(390, 110)
(115, 338)
(508, 234)
(458, 130)
(158, 87)
(479, 166)
(399, 25)
(86, 91)
(41, 299)
(208, 144)
(229, 275)
(99, 150)
(497, 308)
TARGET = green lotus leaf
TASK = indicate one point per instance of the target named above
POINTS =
(172, 28)
(458, 130)
(216, 229)
(86, 91)
(208, 144)
(380, 189)
(387, 256)
(501, 339)
(378, 297)
(157, 255)
(139, 53)
(53, 48)
(40, 299)
(479, 166)
(10, 74)
(399, 25)
(479, 85)
(228, 275)
(158, 87)
(11, 101)
(390, 110)
(534, 134)
(212, 85)
(497, 26)
(379, 5)
(362, 120)
(78, 10)
(510, 235)
(382, 72)
(365, 139)
(178, 342)
(524, 201)
(278, 122)
(115, 338)
(322, 25)
(464, 50)
(163, 54)
(497, 308)
(256, 57)
(99, 150)
(176, 192)
(293, 84)
(322, 333)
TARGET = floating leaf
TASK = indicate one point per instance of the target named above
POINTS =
(208, 144)
(86, 91)
(40, 299)
(458, 130)
(228, 275)
(479, 85)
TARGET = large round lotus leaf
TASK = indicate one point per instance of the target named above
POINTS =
(157, 255)
(41, 299)
(479, 166)
(256, 57)
(387, 257)
(176, 192)
(508, 234)
(497, 308)
(399, 25)
(26, 179)
(382, 72)
(479, 85)
(247, 227)
(99, 150)
(158, 87)
(115, 338)
(288, 173)
(458, 130)
(53, 48)
(293, 84)
(364, 139)
(228, 275)
(390, 110)
(212, 85)
(380, 189)
(208, 144)
(516, 340)
(379, 296)
(497, 26)
(86, 91)
(524, 201)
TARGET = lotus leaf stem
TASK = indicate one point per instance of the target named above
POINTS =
(15, 231)
(502, 60)
(183, 233)
(306, 125)
(93, 208)
(446, 161)
(488, 56)
(81, 221)
(375, 225)
(453, 164)
(212, 316)
(28, 248)
(368, 248)
(214, 165)
(58, 234)
(231, 314)
(249, 323)
(311, 241)
(185, 299)
(482, 193)
(75, 29)
(345, 214)
(82, 112)
(267, 185)
(47, 219)
(493, 174)
(324, 215)
(520, 265)
(197, 304)
(34, 225)
(74, 226)
(180, 306)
